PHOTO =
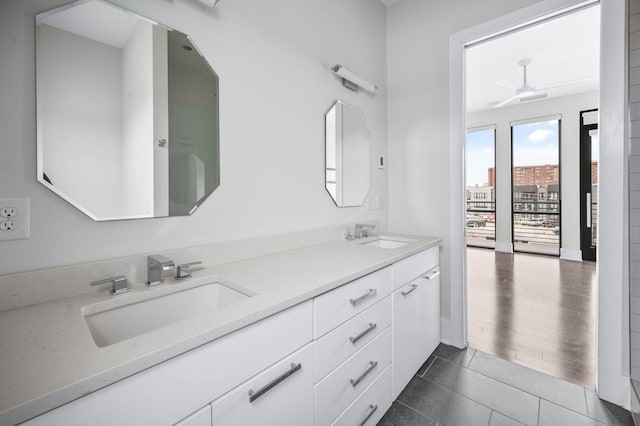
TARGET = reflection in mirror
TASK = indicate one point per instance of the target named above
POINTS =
(348, 158)
(127, 114)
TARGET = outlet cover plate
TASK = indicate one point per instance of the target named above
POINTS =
(21, 219)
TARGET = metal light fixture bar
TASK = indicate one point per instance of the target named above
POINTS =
(352, 81)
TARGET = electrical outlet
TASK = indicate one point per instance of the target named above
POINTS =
(8, 212)
(14, 218)
(8, 225)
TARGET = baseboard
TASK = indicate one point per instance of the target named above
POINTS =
(504, 247)
(574, 255)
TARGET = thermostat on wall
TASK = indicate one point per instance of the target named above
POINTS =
(381, 162)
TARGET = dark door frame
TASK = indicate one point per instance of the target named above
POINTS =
(587, 249)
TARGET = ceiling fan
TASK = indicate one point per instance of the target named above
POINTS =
(526, 92)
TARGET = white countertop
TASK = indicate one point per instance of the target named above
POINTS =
(49, 358)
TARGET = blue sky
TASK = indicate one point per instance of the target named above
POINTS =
(533, 144)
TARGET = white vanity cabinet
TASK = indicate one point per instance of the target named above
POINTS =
(416, 315)
(339, 359)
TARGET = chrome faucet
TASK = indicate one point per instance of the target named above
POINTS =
(156, 264)
(362, 230)
(119, 284)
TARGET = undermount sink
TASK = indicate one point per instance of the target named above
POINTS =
(120, 323)
(388, 242)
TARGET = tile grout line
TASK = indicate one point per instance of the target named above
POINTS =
(416, 411)
(586, 403)
(490, 417)
(475, 351)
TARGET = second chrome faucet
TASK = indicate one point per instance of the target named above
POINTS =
(156, 265)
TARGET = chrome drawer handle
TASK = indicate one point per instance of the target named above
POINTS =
(372, 326)
(372, 292)
(408, 292)
(372, 365)
(432, 275)
(372, 409)
(253, 395)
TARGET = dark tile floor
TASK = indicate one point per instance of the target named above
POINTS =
(469, 387)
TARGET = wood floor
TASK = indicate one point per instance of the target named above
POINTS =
(536, 311)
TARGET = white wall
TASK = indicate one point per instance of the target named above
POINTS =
(275, 88)
(418, 107)
(90, 101)
(568, 107)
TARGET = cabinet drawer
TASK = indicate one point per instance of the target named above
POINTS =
(407, 269)
(281, 395)
(369, 407)
(337, 306)
(340, 388)
(339, 344)
(165, 393)
(202, 417)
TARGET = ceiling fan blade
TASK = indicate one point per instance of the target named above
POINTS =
(533, 97)
(506, 101)
(565, 83)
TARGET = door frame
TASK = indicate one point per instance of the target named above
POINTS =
(612, 314)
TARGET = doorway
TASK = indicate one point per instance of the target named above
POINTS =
(521, 300)
(612, 381)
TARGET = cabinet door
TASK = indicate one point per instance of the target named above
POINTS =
(407, 332)
(281, 395)
(202, 417)
(430, 295)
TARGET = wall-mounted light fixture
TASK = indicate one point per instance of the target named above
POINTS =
(352, 81)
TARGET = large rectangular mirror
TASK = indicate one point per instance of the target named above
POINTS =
(127, 113)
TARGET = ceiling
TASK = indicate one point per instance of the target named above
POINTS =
(561, 50)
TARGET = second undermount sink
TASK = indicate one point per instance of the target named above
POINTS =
(120, 323)
(388, 242)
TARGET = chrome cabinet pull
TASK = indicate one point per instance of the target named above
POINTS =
(408, 292)
(372, 409)
(372, 365)
(372, 292)
(370, 328)
(253, 395)
(431, 275)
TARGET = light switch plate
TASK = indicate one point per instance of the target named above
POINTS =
(382, 162)
(14, 218)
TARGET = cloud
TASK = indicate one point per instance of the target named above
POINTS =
(539, 135)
